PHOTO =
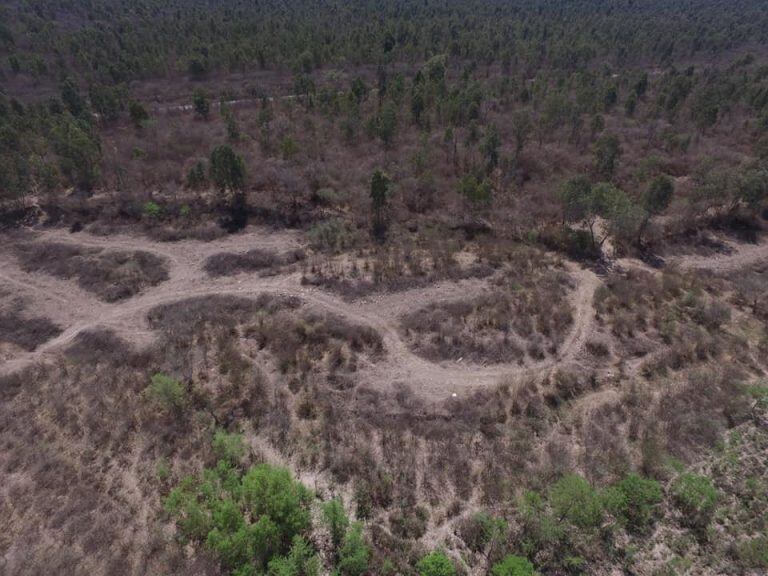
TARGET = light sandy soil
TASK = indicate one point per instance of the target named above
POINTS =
(77, 311)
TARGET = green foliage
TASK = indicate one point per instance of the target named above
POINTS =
(247, 521)
(659, 194)
(138, 113)
(386, 123)
(696, 497)
(513, 566)
(196, 177)
(490, 147)
(574, 499)
(201, 104)
(753, 553)
(633, 500)
(78, 150)
(152, 209)
(330, 235)
(228, 447)
(354, 555)
(436, 564)
(335, 518)
(607, 152)
(167, 393)
(477, 191)
(302, 560)
(226, 168)
(380, 183)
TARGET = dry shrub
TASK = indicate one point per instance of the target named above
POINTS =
(26, 333)
(529, 314)
(229, 264)
(111, 275)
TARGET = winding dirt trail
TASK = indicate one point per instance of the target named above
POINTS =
(80, 311)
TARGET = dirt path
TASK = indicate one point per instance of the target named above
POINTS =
(79, 311)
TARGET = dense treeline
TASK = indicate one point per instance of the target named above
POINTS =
(117, 41)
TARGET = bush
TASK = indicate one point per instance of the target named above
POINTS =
(354, 555)
(513, 566)
(247, 521)
(331, 235)
(633, 500)
(336, 519)
(696, 497)
(228, 447)
(573, 498)
(167, 393)
(436, 564)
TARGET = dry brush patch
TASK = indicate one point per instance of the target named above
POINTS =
(230, 264)
(526, 315)
(110, 274)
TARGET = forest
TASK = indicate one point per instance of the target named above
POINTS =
(416, 287)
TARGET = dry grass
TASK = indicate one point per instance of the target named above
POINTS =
(111, 275)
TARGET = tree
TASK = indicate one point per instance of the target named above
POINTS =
(336, 519)
(633, 500)
(478, 192)
(196, 177)
(436, 564)
(379, 200)
(201, 104)
(358, 90)
(513, 566)
(228, 447)
(167, 393)
(300, 561)
(574, 499)
(78, 151)
(227, 169)
(522, 126)
(490, 147)
(70, 96)
(138, 113)
(607, 151)
(386, 123)
(658, 195)
(354, 555)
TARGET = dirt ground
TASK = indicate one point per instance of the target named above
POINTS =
(77, 311)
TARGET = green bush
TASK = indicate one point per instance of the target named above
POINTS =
(753, 553)
(336, 519)
(633, 500)
(513, 566)
(331, 235)
(696, 497)
(228, 447)
(248, 521)
(152, 209)
(436, 564)
(167, 393)
(573, 498)
(354, 555)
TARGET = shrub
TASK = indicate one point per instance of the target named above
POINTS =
(436, 564)
(228, 447)
(330, 235)
(247, 521)
(152, 209)
(354, 555)
(336, 519)
(301, 560)
(573, 498)
(753, 553)
(696, 497)
(633, 500)
(480, 529)
(169, 394)
(513, 566)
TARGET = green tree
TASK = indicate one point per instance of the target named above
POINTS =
(138, 113)
(478, 192)
(380, 183)
(78, 151)
(490, 147)
(227, 169)
(386, 123)
(336, 519)
(436, 564)
(633, 500)
(70, 96)
(607, 152)
(201, 104)
(574, 499)
(354, 555)
(513, 566)
(196, 177)
(658, 195)
(228, 447)
(522, 126)
(301, 560)
(167, 393)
